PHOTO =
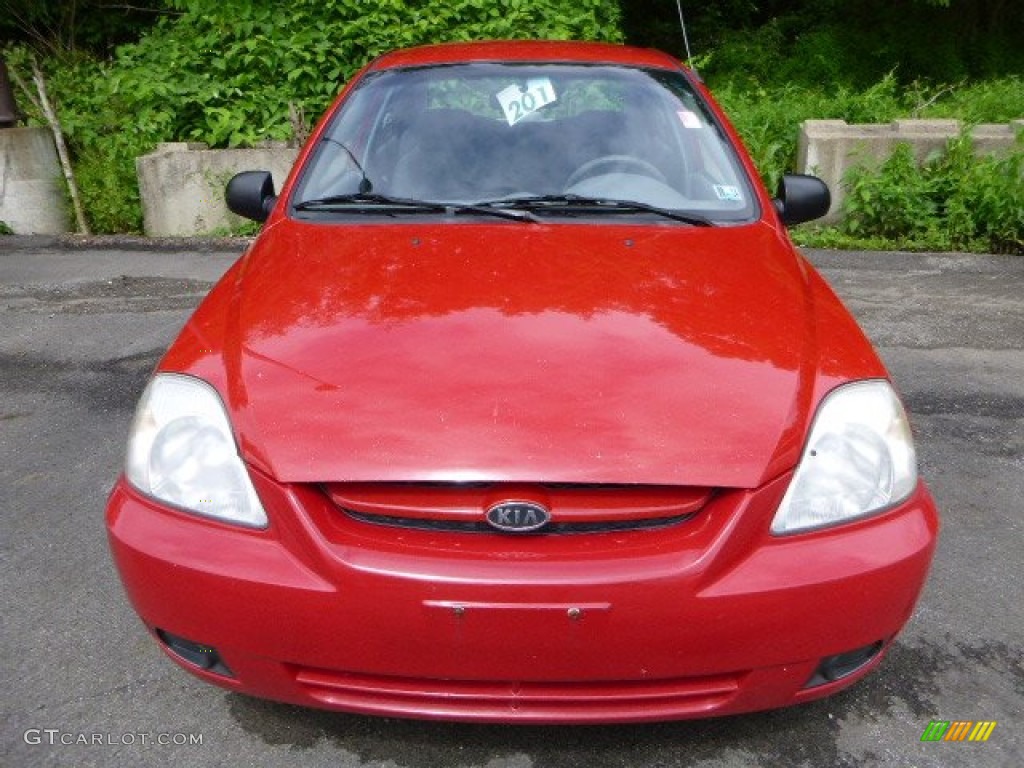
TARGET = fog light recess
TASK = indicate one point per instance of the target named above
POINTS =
(833, 668)
(203, 656)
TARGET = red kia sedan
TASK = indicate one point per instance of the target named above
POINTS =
(523, 408)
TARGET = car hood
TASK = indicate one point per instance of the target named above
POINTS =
(518, 352)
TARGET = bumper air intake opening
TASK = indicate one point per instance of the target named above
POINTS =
(203, 656)
(833, 668)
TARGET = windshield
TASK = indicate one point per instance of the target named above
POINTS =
(528, 134)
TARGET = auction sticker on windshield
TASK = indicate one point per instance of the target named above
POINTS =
(517, 102)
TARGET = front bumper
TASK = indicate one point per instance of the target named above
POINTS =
(710, 617)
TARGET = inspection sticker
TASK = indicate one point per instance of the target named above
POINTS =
(688, 119)
(729, 193)
(517, 102)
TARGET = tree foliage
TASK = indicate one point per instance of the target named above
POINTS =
(57, 27)
(849, 42)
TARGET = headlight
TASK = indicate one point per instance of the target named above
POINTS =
(859, 459)
(181, 451)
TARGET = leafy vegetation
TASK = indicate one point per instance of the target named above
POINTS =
(952, 201)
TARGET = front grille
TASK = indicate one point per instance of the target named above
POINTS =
(461, 507)
(423, 524)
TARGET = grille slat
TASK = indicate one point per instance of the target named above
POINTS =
(483, 699)
(461, 507)
(424, 524)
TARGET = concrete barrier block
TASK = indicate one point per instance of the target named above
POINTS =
(32, 197)
(925, 128)
(182, 185)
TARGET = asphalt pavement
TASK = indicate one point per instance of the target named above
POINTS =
(82, 325)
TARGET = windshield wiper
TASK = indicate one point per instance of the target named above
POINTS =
(373, 202)
(366, 201)
(582, 203)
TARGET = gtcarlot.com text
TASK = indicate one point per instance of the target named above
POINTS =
(57, 737)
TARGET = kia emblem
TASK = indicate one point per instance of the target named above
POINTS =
(518, 516)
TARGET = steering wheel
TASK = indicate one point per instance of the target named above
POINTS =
(596, 167)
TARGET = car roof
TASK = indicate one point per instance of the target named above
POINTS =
(526, 50)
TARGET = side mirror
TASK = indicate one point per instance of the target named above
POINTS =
(251, 194)
(801, 198)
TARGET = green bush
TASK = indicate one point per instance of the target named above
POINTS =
(988, 101)
(954, 200)
(892, 202)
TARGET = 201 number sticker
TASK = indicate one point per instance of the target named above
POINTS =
(517, 102)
